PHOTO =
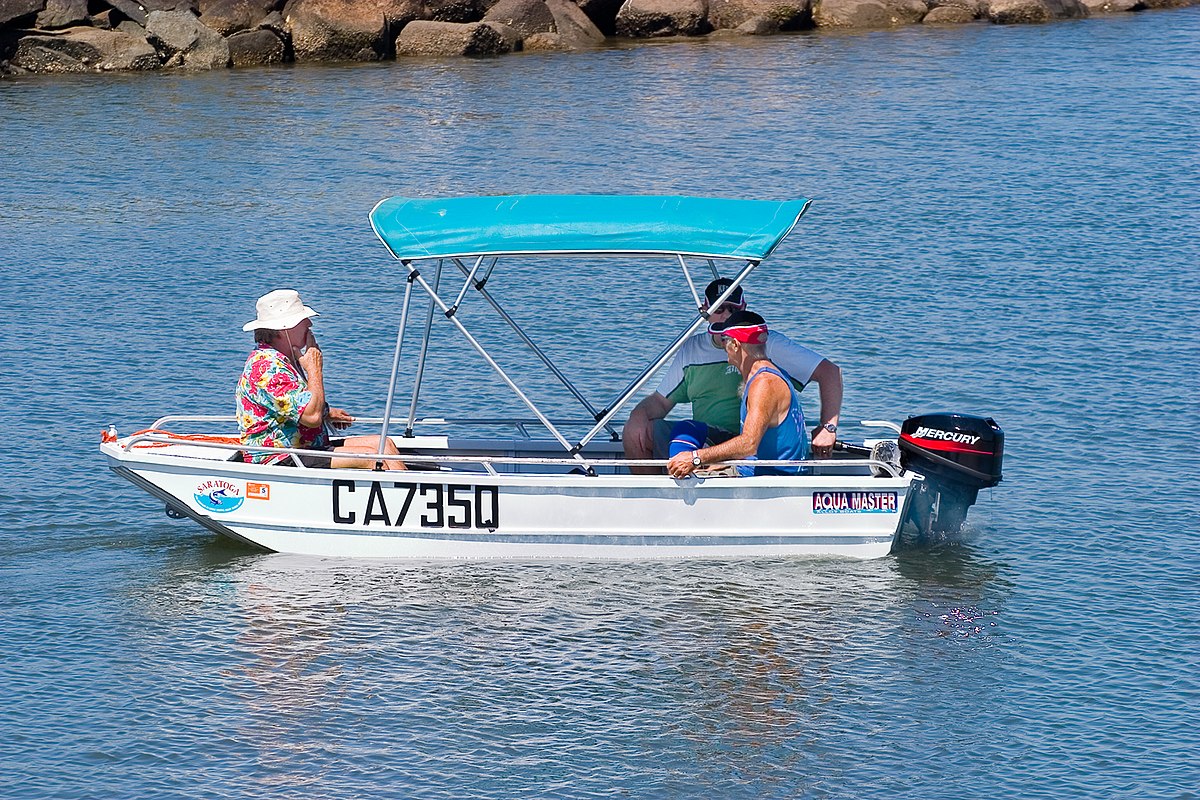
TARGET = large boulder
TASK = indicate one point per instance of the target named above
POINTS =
(430, 38)
(1112, 6)
(128, 9)
(642, 19)
(602, 13)
(575, 27)
(868, 13)
(84, 49)
(454, 10)
(16, 10)
(63, 14)
(256, 48)
(768, 15)
(229, 16)
(1031, 12)
(948, 15)
(347, 30)
(185, 41)
(526, 17)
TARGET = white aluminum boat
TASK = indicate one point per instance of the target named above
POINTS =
(558, 496)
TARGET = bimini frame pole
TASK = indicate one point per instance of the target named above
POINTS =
(412, 406)
(453, 317)
(641, 379)
(387, 409)
(545, 359)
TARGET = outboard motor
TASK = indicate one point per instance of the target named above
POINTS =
(958, 454)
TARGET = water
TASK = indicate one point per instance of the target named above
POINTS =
(1004, 223)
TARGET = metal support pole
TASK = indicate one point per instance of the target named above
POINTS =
(499, 371)
(688, 277)
(387, 409)
(713, 266)
(545, 359)
(412, 407)
(467, 283)
(670, 351)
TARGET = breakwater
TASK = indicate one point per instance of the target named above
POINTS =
(63, 36)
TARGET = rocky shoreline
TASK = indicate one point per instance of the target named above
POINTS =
(58, 36)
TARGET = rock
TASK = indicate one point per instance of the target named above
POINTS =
(641, 19)
(786, 15)
(454, 10)
(63, 14)
(429, 38)
(602, 13)
(1112, 6)
(575, 27)
(230, 16)
(129, 10)
(543, 41)
(180, 32)
(347, 30)
(868, 13)
(978, 8)
(13, 10)
(274, 22)
(256, 48)
(132, 28)
(527, 17)
(948, 15)
(1031, 12)
(105, 19)
(84, 49)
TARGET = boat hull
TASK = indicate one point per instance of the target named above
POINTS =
(453, 514)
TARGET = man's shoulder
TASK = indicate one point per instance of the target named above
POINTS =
(698, 349)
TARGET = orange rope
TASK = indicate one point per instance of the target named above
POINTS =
(183, 437)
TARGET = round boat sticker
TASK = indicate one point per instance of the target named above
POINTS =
(219, 496)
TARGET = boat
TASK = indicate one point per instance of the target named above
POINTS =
(540, 487)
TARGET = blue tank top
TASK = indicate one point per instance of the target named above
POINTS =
(787, 440)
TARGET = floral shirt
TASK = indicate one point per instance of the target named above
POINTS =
(271, 395)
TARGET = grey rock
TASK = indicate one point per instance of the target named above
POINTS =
(229, 16)
(84, 49)
(180, 32)
(640, 19)
(454, 10)
(784, 15)
(63, 14)
(129, 9)
(602, 13)
(575, 27)
(527, 17)
(948, 15)
(868, 13)
(256, 48)
(11, 10)
(132, 28)
(430, 38)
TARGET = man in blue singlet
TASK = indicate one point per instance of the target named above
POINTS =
(772, 423)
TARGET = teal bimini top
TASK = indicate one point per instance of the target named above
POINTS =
(707, 227)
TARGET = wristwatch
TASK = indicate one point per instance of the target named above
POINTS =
(695, 458)
(829, 426)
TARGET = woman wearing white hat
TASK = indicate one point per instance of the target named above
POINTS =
(281, 394)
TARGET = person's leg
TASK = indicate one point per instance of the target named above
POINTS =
(365, 445)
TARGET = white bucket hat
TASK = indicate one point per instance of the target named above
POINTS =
(279, 310)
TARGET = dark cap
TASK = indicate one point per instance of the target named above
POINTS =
(745, 326)
(714, 290)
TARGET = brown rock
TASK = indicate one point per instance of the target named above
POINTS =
(229, 16)
(948, 15)
(429, 38)
(641, 19)
(602, 13)
(84, 49)
(786, 15)
(454, 10)
(15, 10)
(542, 42)
(868, 13)
(347, 30)
(527, 17)
(179, 32)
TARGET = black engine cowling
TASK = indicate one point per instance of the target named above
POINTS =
(958, 454)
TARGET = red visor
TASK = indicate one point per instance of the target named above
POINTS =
(746, 334)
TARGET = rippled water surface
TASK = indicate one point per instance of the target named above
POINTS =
(1004, 223)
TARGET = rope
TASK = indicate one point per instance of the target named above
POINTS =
(185, 437)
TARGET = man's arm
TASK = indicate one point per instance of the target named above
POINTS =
(829, 381)
(312, 362)
(766, 402)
